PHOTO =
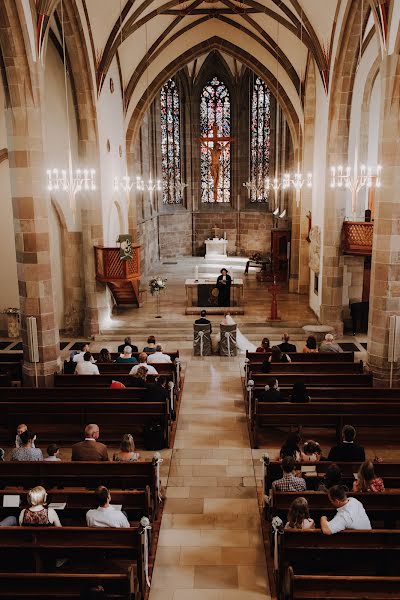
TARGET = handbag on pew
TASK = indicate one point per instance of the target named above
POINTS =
(153, 436)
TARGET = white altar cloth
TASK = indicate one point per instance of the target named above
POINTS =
(216, 247)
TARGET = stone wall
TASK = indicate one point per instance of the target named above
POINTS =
(175, 237)
(353, 275)
(147, 232)
(246, 232)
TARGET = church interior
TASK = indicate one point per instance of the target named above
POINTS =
(207, 187)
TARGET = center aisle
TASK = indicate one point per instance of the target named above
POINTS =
(210, 545)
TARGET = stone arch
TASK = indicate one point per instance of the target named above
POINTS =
(191, 54)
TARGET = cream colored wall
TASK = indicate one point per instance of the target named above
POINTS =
(57, 266)
(56, 130)
(9, 295)
(111, 131)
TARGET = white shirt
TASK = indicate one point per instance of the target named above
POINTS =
(86, 368)
(150, 370)
(350, 516)
(158, 357)
(106, 517)
(78, 358)
(52, 459)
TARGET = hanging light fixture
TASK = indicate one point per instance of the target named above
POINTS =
(359, 176)
(70, 180)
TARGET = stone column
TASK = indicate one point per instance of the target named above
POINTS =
(31, 206)
(385, 269)
(295, 246)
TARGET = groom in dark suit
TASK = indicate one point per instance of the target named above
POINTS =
(203, 320)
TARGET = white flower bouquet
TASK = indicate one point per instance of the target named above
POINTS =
(157, 284)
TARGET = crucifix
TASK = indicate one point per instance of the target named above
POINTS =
(220, 143)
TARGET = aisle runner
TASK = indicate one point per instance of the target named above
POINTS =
(210, 545)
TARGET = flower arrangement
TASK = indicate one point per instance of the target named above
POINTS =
(10, 311)
(157, 284)
(256, 257)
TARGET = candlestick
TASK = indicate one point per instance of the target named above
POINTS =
(196, 273)
(224, 235)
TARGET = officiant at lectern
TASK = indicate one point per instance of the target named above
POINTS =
(224, 283)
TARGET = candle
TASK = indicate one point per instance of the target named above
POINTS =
(224, 235)
(196, 272)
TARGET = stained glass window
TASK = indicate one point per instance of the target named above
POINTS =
(215, 158)
(171, 144)
(260, 141)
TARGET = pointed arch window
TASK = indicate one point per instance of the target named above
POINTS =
(215, 120)
(260, 140)
(171, 143)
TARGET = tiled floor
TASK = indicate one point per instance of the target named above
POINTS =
(210, 545)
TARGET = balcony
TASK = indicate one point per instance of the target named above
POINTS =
(357, 238)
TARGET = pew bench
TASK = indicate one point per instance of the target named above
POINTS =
(259, 357)
(308, 367)
(287, 379)
(65, 477)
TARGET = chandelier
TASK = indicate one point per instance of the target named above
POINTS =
(70, 180)
(354, 179)
(127, 183)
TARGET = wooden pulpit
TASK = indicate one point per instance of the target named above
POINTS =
(121, 276)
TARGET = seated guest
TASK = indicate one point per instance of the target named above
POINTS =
(265, 346)
(104, 356)
(20, 429)
(299, 515)
(278, 356)
(299, 392)
(105, 515)
(87, 367)
(2, 454)
(202, 320)
(151, 345)
(333, 476)
(90, 449)
(27, 450)
(126, 452)
(37, 514)
(347, 450)
(350, 513)
(271, 393)
(93, 593)
(143, 363)
(366, 480)
(285, 346)
(289, 481)
(311, 345)
(127, 342)
(80, 356)
(291, 447)
(158, 356)
(329, 345)
(311, 452)
(53, 453)
(157, 391)
(139, 379)
(126, 356)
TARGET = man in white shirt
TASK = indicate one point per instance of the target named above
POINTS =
(143, 363)
(350, 513)
(158, 356)
(105, 515)
(86, 367)
(79, 356)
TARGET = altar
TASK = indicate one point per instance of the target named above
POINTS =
(216, 247)
(203, 294)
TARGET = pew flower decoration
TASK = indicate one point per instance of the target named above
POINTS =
(157, 284)
(10, 311)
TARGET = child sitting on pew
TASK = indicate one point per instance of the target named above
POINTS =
(366, 480)
(299, 515)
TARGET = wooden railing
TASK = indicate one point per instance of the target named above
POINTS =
(357, 238)
(110, 267)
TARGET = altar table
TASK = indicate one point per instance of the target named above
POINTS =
(216, 247)
(205, 291)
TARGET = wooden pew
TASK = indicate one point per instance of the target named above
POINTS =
(259, 357)
(336, 587)
(35, 586)
(64, 423)
(95, 381)
(4, 381)
(135, 503)
(389, 471)
(287, 379)
(114, 355)
(380, 507)
(66, 476)
(59, 394)
(12, 369)
(16, 356)
(324, 415)
(309, 367)
(108, 550)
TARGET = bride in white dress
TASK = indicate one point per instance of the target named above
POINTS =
(242, 342)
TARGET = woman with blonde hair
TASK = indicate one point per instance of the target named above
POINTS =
(299, 515)
(37, 515)
(366, 480)
(126, 451)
